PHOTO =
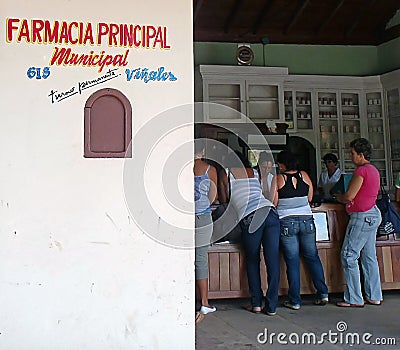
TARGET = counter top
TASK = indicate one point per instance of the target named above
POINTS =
(227, 270)
(324, 207)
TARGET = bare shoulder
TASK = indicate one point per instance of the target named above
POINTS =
(279, 178)
(304, 174)
(200, 167)
(212, 170)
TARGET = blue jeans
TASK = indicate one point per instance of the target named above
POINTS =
(359, 242)
(298, 237)
(267, 235)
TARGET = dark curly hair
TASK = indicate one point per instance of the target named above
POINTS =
(363, 146)
(288, 159)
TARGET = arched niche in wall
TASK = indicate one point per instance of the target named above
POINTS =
(108, 125)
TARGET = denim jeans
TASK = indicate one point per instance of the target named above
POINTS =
(267, 235)
(298, 237)
(359, 242)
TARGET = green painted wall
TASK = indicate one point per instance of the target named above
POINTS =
(309, 59)
(389, 55)
(317, 59)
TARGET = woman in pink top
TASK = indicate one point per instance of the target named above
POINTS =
(360, 238)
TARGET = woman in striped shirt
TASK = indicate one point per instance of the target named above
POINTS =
(260, 226)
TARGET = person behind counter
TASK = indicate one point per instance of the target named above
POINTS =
(360, 238)
(260, 226)
(205, 193)
(329, 177)
(293, 192)
(266, 168)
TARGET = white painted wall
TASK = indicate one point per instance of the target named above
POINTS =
(75, 270)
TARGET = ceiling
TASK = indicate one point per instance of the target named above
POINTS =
(327, 22)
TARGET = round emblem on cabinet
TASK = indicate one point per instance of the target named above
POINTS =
(244, 55)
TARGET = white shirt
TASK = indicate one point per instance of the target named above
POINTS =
(326, 183)
(266, 183)
(246, 194)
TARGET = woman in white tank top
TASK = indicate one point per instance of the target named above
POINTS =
(260, 226)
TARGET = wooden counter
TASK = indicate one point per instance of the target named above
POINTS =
(227, 270)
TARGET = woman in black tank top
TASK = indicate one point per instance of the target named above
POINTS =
(289, 190)
(293, 192)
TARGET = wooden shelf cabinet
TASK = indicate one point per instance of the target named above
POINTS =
(298, 110)
(250, 92)
(327, 111)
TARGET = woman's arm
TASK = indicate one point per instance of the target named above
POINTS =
(274, 189)
(354, 186)
(213, 192)
(308, 181)
(223, 182)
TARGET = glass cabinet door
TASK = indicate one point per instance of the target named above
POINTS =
(298, 110)
(328, 123)
(393, 104)
(226, 94)
(288, 103)
(303, 110)
(351, 127)
(376, 132)
(262, 102)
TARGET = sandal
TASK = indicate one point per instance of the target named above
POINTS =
(199, 317)
(253, 309)
(344, 304)
(372, 302)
